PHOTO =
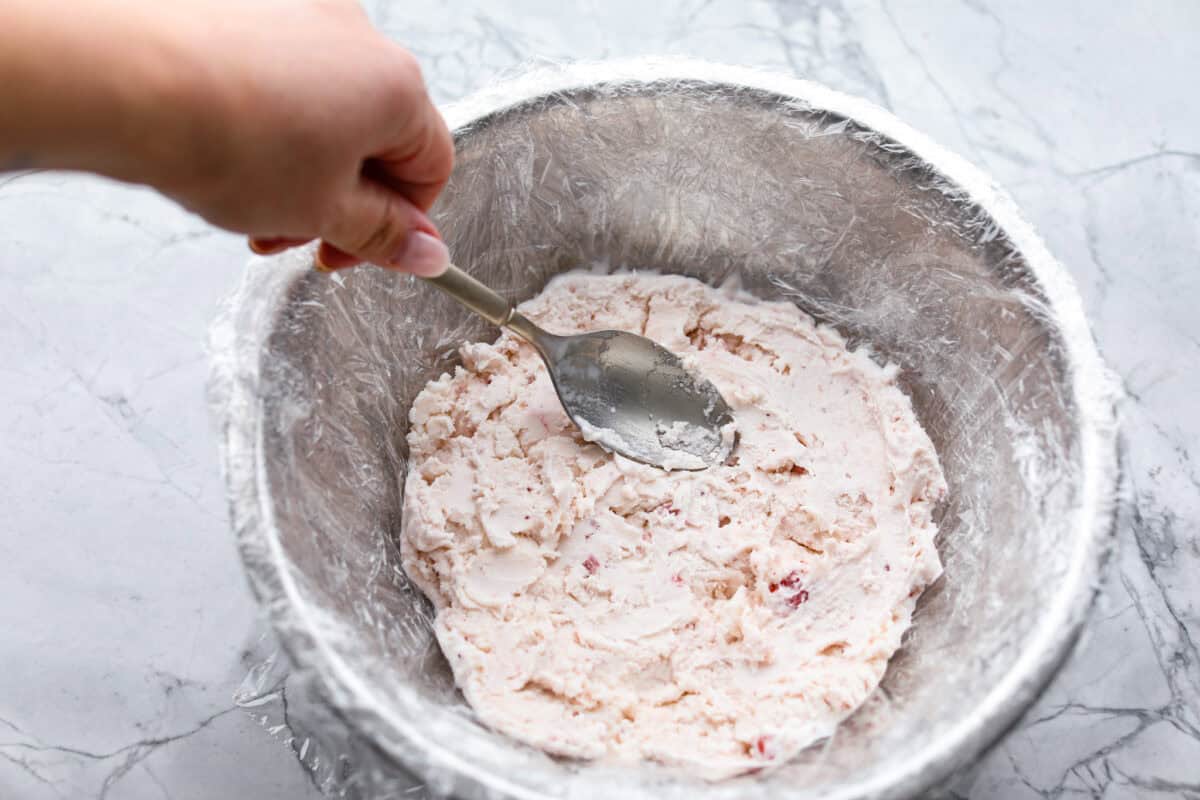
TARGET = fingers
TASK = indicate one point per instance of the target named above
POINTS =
(268, 245)
(329, 258)
(419, 168)
(381, 219)
(377, 224)
(418, 157)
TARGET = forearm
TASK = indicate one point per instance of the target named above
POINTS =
(90, 87)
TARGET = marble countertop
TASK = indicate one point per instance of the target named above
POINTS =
(125, 622)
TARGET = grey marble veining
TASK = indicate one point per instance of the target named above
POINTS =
(125, 624)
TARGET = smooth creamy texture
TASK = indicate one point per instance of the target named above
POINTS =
(722, 619)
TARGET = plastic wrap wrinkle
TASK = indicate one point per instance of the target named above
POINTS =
(712, 171)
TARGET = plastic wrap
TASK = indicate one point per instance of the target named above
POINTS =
(715, 172)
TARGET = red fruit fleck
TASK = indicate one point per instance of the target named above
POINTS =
(591, 564)
(798, 599)
(798, 470)
(761, 744)
(773, 587)
(887, 567)
(677, 579)
(791, 580)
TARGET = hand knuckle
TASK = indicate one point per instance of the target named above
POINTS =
(403, 78)
(408, 66)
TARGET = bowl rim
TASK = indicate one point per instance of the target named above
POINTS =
(235, 377)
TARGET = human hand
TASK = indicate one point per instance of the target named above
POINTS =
(301, 121)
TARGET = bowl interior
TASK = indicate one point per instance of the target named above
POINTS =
(718, 183)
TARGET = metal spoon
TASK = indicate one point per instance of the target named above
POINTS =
(626, 393)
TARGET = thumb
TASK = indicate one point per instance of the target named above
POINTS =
(377, 224)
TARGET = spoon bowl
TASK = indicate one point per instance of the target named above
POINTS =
(626, 393)
(635, 397)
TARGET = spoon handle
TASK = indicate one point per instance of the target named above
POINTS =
(474, 295)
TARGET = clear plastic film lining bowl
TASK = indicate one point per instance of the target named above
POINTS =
(799, 193)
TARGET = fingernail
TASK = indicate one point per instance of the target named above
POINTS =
(319, 265)
(422, 255)
(256, 246)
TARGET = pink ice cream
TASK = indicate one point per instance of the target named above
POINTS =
(719, 620)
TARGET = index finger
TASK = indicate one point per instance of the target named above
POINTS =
(419, 159)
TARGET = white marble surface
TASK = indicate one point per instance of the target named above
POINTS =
(124, 616)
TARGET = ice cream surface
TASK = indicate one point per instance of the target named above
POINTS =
(719, 620)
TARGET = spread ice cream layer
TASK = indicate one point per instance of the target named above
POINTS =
(719, 620)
